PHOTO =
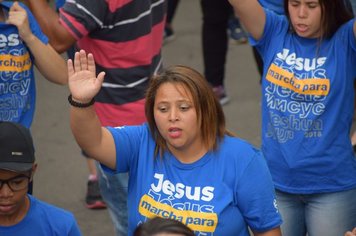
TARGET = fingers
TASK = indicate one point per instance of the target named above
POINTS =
(100, 78)
(15, 7)
(91, 63)
(70, 68)
(17, 15)
(83, 60)
(76, 63)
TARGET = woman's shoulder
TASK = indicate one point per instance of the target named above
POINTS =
(238, 146)
(236, 155)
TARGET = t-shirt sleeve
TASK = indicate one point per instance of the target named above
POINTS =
(352, 41)
(274, 26)
(352, 37)
(34, 26)
(127, 144)
(256, 197)
(74, 230)
(82, 16)
(345, 38)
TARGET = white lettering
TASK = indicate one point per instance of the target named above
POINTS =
(306, 64)
(10, 40)
(180, 190)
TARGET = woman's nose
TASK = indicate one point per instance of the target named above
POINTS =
(173, 115)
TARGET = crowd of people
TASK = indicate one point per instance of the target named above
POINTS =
(160, 156)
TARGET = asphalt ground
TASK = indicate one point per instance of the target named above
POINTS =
(62, 172)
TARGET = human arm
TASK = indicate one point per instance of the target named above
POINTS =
(252, 16)
(94, 139)
(255, 194)
(48, 18)
(51, 65)
(351, 233)
(272, 232)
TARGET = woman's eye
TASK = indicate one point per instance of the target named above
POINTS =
(312, 6)
(162, 109)
(184, 108)
(294, 4)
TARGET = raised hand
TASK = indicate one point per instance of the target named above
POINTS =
(83, 83)
(18, 17)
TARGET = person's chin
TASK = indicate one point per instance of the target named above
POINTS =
(6, 209)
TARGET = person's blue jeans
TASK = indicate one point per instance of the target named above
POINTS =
(113, 189)
(325, 214)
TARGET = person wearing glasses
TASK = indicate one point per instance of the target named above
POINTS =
(21, 213)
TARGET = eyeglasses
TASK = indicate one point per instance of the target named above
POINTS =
(16, 183)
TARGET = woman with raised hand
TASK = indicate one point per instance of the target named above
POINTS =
(183, 164)
(307, 108)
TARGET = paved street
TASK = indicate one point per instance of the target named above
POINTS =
(62, 172)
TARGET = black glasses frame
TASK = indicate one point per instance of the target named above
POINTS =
(9, 183)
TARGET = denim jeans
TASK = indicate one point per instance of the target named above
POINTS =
(113, 189)
(326, 214)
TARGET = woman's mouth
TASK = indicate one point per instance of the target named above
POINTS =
(302, 28)
(174, 132)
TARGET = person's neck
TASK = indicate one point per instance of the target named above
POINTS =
(18, 216)
(191, 155)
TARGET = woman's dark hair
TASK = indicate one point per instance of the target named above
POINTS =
(160, 225)
(209, 111)
(334, 13)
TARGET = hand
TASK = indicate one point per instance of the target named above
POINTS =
(82, 80)
(18, 17)
(349, 233)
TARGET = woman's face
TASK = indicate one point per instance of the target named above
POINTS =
(305, 16)
(176, 118)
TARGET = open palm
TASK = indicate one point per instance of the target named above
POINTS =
(83, 83)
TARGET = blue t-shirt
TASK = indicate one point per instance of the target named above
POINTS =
(59, 3)
(307, 108)
(17, 83)
(43, 219)
(220, 194)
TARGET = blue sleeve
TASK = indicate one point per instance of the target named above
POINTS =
(74, 230)
(351, 41)
(59, 3)
(35, 28)
(256, 197)
(274, 26)
(127, 145)
(352, 35)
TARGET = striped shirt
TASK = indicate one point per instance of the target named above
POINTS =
(125, 37)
